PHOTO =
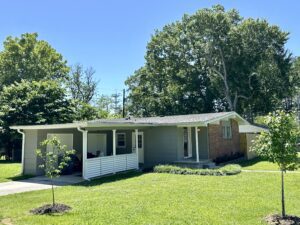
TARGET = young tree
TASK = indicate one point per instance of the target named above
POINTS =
(279, 145)
(54, 158)
(28, 58)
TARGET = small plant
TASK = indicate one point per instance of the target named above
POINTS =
(54, 159)
(279, 145)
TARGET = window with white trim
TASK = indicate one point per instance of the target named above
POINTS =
(121, 140)
(226, 130)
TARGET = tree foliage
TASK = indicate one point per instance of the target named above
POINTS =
(54, 159)
(36, 102)
(279, 145)
(213, 60)
(82, 84)
(28, 58)
(85, 111)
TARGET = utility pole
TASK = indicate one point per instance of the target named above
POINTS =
(123, 103)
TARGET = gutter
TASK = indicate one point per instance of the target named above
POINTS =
(23, 148)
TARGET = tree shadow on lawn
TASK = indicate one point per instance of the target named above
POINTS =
(250, 162)
(8, 162)
(110, 178)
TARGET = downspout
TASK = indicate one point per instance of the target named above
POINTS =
(84, 151)
(23, 149)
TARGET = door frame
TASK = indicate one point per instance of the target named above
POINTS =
(189, 142)
(141, 156)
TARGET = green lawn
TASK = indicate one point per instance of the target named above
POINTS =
(259, 164)
(9, 171)
(162, 199)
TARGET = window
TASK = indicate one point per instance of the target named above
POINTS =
(121, 140)
(140, 141)
(226, 130)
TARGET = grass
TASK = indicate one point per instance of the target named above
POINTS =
(259, 164)
(157, 198)
(10, 171)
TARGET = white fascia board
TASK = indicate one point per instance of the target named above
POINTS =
(231, 115)
(49, 126)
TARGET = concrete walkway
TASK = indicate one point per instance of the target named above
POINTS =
(268, 171)
(37, 183)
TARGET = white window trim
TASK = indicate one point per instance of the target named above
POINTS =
(49, 135)
(117, 140)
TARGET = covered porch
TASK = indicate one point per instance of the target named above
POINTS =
(106, 151)
(195, 145)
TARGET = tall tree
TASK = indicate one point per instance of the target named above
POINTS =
(82, 84)
(36, 102)
(28, 103)
(28, 58)
(211, 60)
(104, 105)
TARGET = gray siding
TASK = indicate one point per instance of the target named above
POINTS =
(77, 142)
(161, 144)
(30, 158)
(203, 143)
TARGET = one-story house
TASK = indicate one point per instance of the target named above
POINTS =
(107, 146)
(248, 134)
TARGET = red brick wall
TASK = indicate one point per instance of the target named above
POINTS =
(218, 146)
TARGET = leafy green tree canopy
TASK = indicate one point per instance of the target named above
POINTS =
(28, 58)
(210, 61)
(36, 102)
(279, 144)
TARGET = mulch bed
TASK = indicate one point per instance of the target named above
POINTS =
(279, 220)
(49, 209)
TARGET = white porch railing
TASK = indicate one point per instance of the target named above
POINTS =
(96, 167)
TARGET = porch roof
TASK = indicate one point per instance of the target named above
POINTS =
(252, 129)
(178, 120)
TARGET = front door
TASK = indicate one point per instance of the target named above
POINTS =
(187, 142)
(140, 145)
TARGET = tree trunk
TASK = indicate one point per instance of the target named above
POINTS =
(282, 194)
(53, 199)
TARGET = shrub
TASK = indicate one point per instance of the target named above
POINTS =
(230, 169)
(226, 158)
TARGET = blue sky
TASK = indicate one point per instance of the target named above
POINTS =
(111, 36)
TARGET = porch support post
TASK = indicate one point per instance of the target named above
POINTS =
(197, 144)
(84, 150)
(23, 149)
(114, 147)
(137, 146)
